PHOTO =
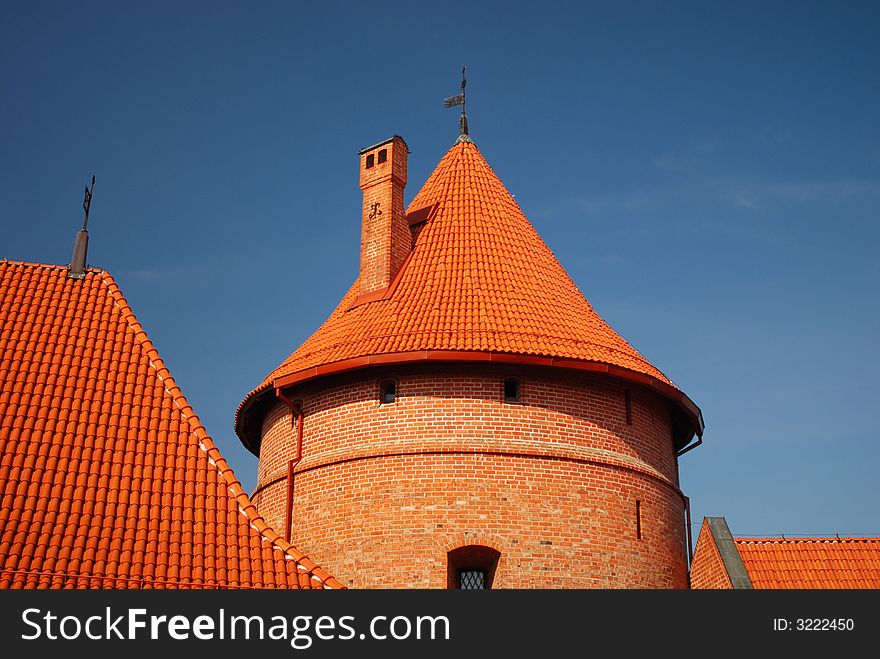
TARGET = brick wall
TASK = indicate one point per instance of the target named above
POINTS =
(386, 239)
(384, 491)
(707, 569)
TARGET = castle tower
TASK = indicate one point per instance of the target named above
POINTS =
(464, 417)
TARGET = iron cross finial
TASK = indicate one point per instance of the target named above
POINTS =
(87, 202)
(459, 99)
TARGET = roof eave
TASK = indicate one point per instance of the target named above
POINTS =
(679, 399)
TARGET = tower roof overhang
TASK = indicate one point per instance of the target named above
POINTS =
(690, 414)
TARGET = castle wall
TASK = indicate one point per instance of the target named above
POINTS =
(551, 481)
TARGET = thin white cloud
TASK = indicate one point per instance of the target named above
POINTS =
(756, 196)
(739, 193)
(689, 158)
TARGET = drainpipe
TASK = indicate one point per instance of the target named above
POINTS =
(296, 420)
(690, 447)
(690, 539)
(687, 507)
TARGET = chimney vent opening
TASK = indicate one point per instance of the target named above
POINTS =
(371, 160)
(383, 156)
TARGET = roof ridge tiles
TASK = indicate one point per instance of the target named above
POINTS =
(47, 266)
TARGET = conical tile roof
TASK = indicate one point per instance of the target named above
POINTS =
(480, 284)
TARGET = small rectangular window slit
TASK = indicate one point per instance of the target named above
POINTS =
(638, 519)
(511, 390)
(388, 392)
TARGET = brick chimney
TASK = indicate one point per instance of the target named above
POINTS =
(386, 239)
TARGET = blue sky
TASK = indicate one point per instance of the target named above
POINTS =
(708, 173)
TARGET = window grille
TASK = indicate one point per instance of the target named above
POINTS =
(471, 567)
(472, 579)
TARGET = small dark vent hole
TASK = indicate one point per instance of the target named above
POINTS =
(388, 392)
(511, 390)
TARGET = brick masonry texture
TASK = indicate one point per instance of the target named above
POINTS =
(707, 569)
(384, 491)
(386, 240)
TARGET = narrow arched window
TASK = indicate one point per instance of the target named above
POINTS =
(388, 391)
(472, 567)
(512, 390)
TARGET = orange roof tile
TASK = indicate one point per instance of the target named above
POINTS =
(811, 562)
(480, 280)
(107, 477)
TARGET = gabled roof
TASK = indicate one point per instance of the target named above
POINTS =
(107, 477)
(724, 561)
(480, 284)
(811, 562)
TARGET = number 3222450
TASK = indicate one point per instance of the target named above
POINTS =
(814, 624)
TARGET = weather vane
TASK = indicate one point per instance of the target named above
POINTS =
(77, 268)
(87, 203)
(459, 99)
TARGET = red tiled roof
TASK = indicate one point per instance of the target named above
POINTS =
(811, 562)
(107, 477)
(481, 281)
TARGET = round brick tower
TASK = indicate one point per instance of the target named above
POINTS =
(464, 418)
